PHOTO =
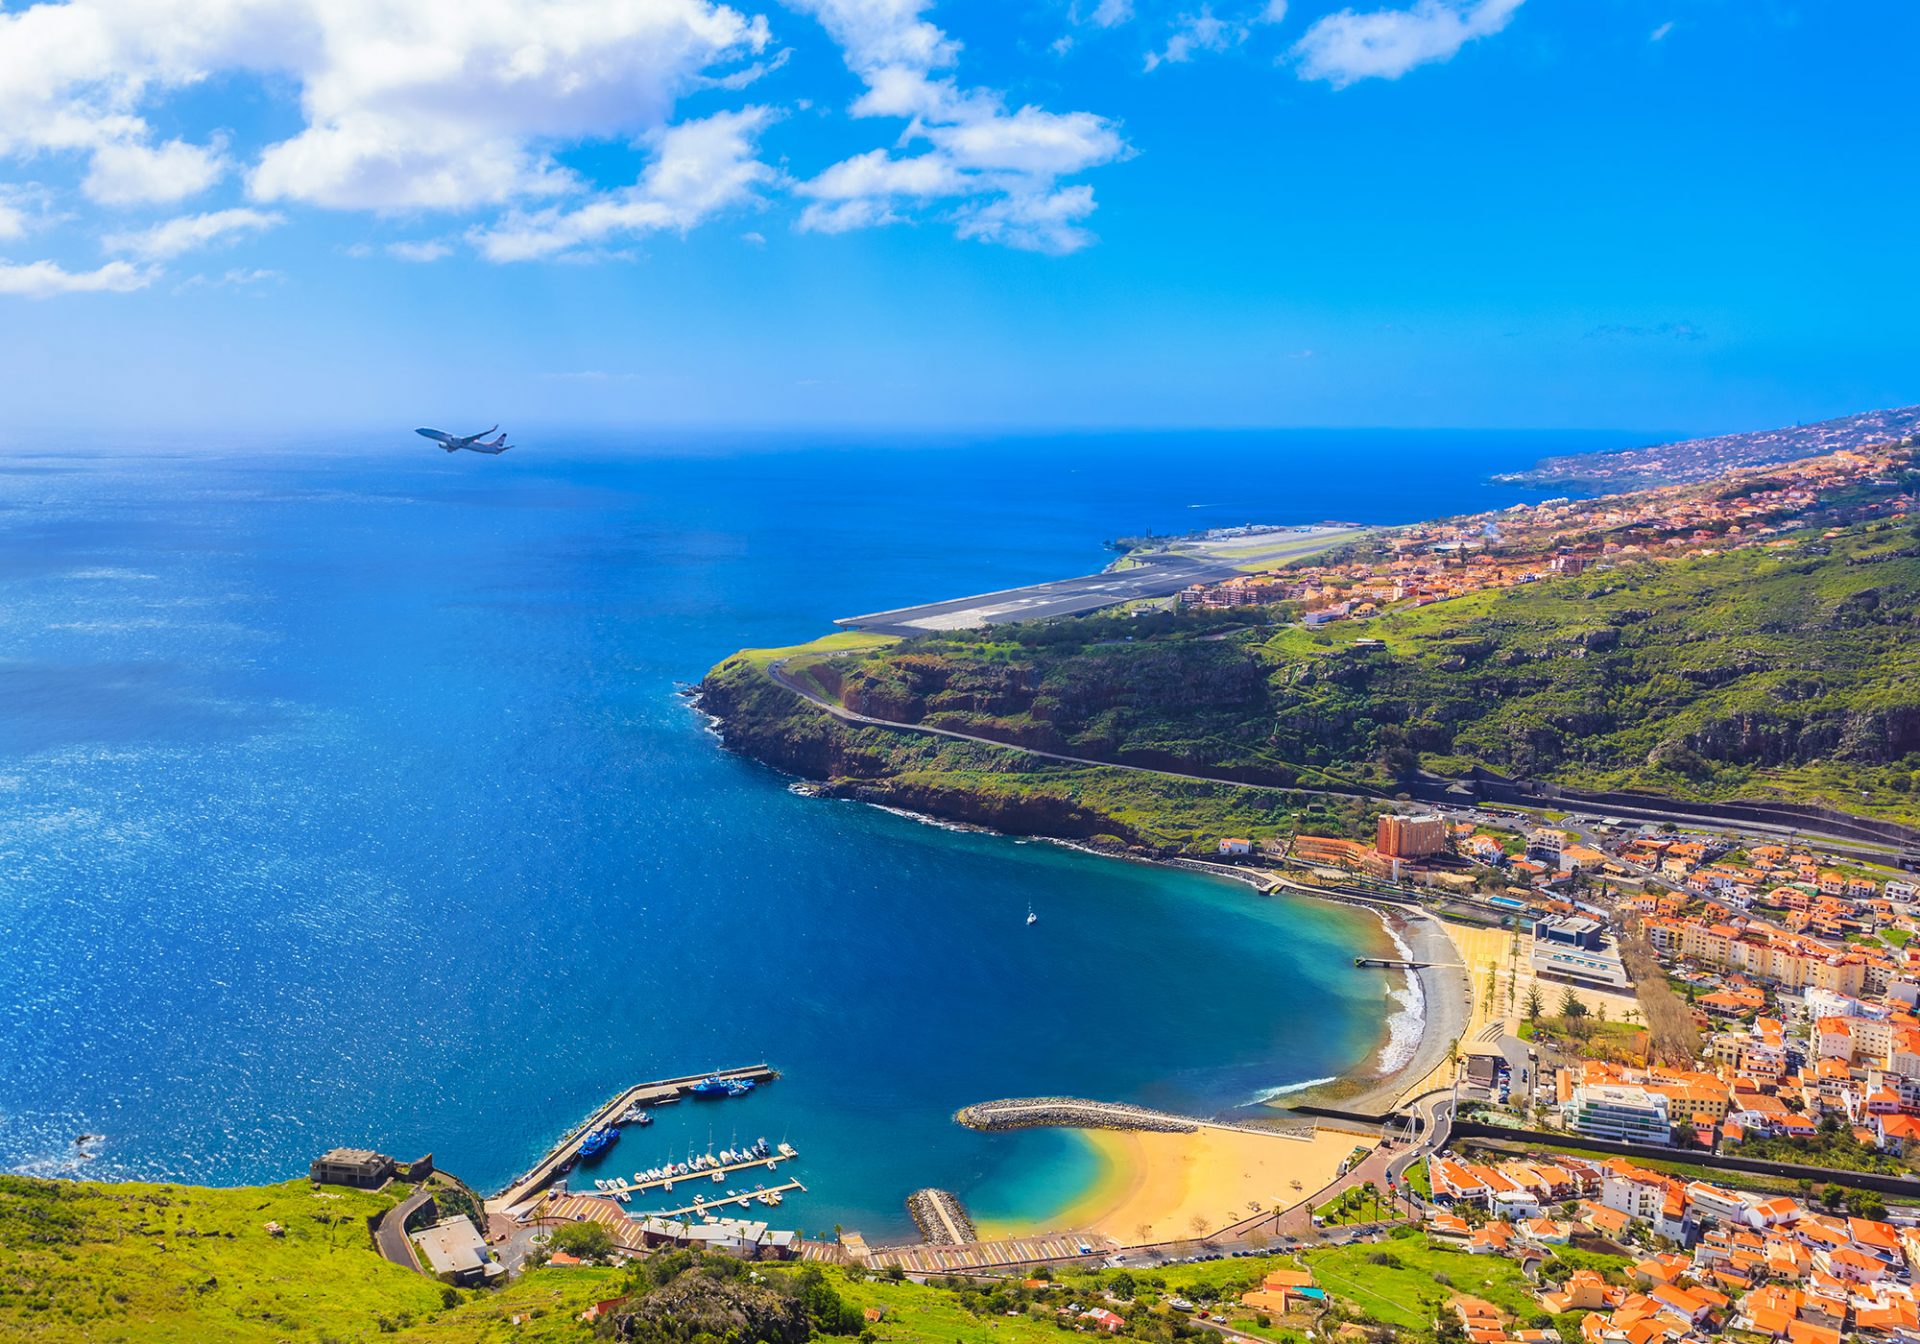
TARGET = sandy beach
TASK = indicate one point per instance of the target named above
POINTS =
(1161, 1187)
(1445, 1002)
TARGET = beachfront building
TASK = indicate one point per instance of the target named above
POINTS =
(1600, 969)
(741, 1237)
(1411, 837)
(1621, 1112)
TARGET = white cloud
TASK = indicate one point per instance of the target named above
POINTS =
(45, 279)
(448, 104)
(698, 169)
(1346, 47)
(431, 249)
(1193, 33)
(1660, 34)
(1000, 167)
(1035, 222)
(135, 174)
(1275, 12)
(190, 232)
(253, 279)
(468, 105)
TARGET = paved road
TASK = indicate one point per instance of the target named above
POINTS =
(778, 671)
(1435, 1110)
(392, 1234)
(1675, 812)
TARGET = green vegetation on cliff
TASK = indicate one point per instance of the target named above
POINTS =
(988, 785)
(1762, 672)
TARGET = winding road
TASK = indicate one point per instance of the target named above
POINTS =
(1668, 810)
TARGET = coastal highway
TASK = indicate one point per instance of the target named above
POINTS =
(1671, 810)
(777, 670)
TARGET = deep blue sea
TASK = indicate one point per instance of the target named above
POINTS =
(345, 798)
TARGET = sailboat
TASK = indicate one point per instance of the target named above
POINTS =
(1031, 917)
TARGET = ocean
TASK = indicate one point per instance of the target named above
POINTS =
(346, 797)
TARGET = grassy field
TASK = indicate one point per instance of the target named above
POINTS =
(913, 1312)
(142, 1264)
(1406, 1292)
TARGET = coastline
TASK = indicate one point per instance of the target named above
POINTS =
(1167, 1184)
(1155, 1187)
(1435, 1005)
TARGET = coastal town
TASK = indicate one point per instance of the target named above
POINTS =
(1778, 506)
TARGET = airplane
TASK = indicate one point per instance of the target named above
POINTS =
(473, 443)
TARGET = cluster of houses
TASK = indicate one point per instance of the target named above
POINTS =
(1435, 562)
(1757, 1266)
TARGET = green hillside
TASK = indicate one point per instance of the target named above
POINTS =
(1777, 673)
(85, 1263)
(148, 1263)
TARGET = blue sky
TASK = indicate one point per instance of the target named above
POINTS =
(1647, 214)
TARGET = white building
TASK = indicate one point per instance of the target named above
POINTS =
(456, 1253)
(1620, 1112)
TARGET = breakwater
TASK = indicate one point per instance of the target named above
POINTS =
(1070, 1113)
(941, 1217)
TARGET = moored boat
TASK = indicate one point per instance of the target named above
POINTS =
(599, 1141)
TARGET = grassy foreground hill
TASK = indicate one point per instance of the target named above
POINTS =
(1757, 673)
(86, 1263)
(81, 1261)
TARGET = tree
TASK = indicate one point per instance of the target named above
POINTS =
(587, 1241)
(1535, 1006)
(1570, 1005)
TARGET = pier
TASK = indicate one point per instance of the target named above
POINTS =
(783, 1153)
(941, 1217)
(637, 1098)
(705, 1206)
(1389, 964)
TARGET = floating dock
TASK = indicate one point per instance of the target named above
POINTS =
(783, 1153)
(704, 1206)
(636, 1098)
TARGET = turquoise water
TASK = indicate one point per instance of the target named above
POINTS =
(348, 799)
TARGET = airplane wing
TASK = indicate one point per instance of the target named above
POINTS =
(482, 434)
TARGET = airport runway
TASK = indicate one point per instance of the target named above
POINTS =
(1160, 576)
